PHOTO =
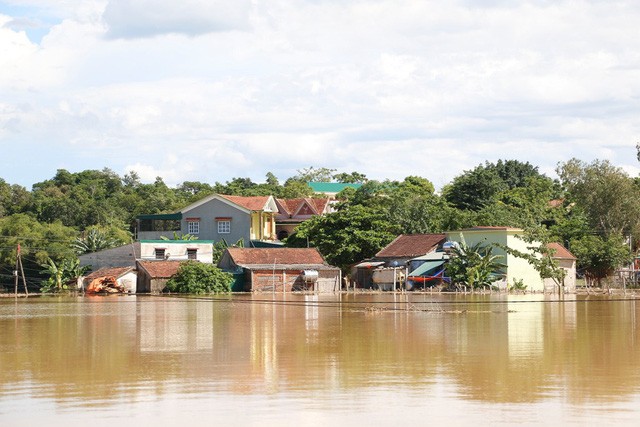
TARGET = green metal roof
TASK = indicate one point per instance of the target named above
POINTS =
(170, 216)
(425, 268)
(331, 187)
(264, 244)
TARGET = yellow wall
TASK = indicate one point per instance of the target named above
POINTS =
(263, 226)
(517, 268)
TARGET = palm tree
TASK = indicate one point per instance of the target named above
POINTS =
(474, 266)
(93, 241)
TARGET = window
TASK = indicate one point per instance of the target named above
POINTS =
(159, 253)
(192, 253)
(193, 227)
(224, 227)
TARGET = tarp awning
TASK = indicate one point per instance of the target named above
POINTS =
(426, 268)
(369, 264)
(433, 256)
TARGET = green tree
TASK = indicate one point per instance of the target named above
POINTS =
(38, 241)
(191, 191)
(199, 278)
(13, 198)
(346, 236)
(351, 178)
(600, 256)
(96, 239)
(605, 193)
(482, 186)
(63, 275)
(312, 174)
(294, 189)
(515, 173)
(474, 189)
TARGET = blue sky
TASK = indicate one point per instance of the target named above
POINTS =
(209, 90)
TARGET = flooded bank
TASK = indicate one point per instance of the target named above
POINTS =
(266, 359)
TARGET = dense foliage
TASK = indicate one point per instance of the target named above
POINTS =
(200, 278)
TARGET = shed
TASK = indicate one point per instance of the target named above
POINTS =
(567, 261)
(153, 275)
(396, 254)
(125, 276)
(281, 269)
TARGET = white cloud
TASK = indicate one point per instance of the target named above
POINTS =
(148, 18)
(386, 88)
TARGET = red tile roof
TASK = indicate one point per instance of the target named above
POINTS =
(160, 269)
(320, 204)
(291, 206)
(412, 245)
(255, 203)
(560, 251)
(267, 256)
(104, 272)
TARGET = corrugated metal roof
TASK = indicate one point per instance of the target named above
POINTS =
(331, 187)
(437, 255)
(369, 264)
(166, 216)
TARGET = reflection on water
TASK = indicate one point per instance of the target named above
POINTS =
(316, 359)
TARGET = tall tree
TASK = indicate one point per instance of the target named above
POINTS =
(351, 178)
(346, 236)
(605, 193)
(312, 174)
(482, 186)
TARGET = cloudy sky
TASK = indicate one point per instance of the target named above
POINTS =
(209, 90)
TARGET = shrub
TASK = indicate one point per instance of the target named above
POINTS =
(194, 277)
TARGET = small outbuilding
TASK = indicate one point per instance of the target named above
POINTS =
(125, 278)
(567, 261)
(153, 275)
(395, 257)
(280, 270)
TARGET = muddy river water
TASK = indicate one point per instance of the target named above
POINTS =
(320, 360)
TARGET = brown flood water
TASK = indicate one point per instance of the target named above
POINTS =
(309, 360)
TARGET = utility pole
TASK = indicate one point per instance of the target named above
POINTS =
(15, 273)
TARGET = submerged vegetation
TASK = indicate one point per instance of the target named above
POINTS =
(593, 208)
(199, 278)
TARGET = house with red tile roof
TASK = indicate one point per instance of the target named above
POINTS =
(567, 261)
(217, 217)
(153, 275)
(280, 270)
(257, 220)
(396, 254)
(408, 246)
(292, 212)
